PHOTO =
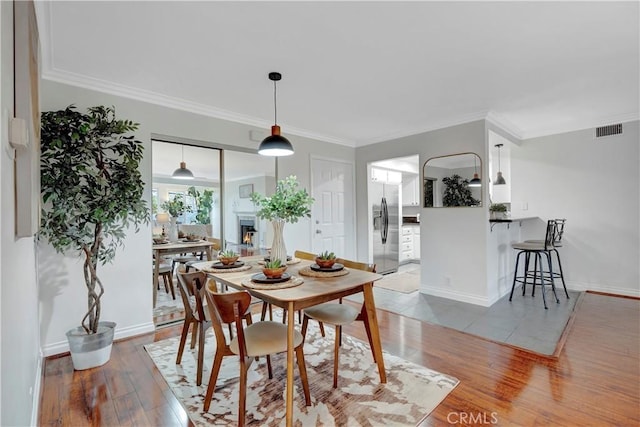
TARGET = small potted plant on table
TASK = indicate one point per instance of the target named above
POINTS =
(228, 257)
(498, 211)
(274, 269)
(326, 259)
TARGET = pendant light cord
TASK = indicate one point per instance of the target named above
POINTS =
(499, 167)
(275, 104)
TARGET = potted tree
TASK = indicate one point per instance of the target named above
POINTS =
(287, 204)
(91, 192)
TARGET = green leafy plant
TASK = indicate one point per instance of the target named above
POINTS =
(288, 203)
(457, 192)
(498, 207)
(176, 206)
(227, 254)
(91, 190)
(276, 263)
(204, 204)
(326, 255)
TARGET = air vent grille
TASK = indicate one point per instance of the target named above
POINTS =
(609, 130)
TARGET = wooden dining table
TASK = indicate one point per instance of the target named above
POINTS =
(171, 248)
(313, 291)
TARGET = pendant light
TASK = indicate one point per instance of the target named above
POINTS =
(500, 179)
(182, 172)
(275, 144)
(475, 182)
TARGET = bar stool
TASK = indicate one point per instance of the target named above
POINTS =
(557, 243)
(536, 249)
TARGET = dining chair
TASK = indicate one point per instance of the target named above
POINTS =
(339, 314)
(257, 339)
(196, 315)
(164, 271)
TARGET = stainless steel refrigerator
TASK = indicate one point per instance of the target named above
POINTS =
(386, 226)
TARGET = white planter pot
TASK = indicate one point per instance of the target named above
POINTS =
(91, 350)
(278, 248)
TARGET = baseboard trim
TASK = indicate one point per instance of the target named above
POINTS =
(458, 296)
(583, 287)
(62, 347)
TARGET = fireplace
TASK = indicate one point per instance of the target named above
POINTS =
(246, 230)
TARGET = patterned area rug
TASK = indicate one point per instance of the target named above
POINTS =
(410, 394)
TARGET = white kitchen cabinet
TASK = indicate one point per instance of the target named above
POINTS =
(410, 190)
(410, 243)
(386, 176)
(416, 242)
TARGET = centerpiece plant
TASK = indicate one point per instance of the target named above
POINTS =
(176, 207)
(287, 204)
(91, 190)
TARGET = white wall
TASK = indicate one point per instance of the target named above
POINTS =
(594, 185)
(453, 240)
(19, 346)
(128, 296)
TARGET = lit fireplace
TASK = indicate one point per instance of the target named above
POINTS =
(246, 230)
(248, 238)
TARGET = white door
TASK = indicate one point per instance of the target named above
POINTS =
(332, 215)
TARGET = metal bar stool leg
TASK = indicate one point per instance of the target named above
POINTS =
(564, 285)
(539, 261)
(515, 275)
(553, 284)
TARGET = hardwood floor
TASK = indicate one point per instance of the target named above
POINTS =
(595, 381)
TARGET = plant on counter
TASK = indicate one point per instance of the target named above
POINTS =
(457, 192)
(498, 207)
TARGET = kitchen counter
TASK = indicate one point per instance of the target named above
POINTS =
(508, 221)
(405, 224)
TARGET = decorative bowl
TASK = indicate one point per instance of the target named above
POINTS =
(274, 273)
(228, 260)
(325, 263)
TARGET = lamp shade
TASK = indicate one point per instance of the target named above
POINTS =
(275, 144)
(475, 182)
(499, 179)
(163, 218)
(182, 172)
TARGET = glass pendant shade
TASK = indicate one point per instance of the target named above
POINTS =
(275, 144)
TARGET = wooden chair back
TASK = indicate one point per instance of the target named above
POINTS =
(357, 265)
(191, 285)
(217, 244)
(305, 255)
(226, 309)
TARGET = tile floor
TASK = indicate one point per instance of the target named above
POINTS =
(522, 322)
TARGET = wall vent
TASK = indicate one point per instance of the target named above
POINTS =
(609, 130)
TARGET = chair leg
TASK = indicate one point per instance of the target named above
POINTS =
(173, 292)
(321, 328)
(242, 399)
(269, 370)
(336, 355)
(201, 335)
(535, 273)
(539, 262)
(215, 370)
(564, 285)
(303, 375)
(263, 314)
(305, 324)
(553, 284)
(183, 341)
(515, 276)
(194, 334)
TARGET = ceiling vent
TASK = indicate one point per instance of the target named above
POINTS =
(609, 130)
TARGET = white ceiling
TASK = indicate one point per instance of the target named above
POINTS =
(358, 72)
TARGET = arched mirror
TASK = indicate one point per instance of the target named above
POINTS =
(452, 181)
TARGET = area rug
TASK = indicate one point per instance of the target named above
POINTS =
(402, 281)
(410, 394)
(167, 310)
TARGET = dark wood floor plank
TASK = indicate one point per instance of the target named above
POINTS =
(594, 381)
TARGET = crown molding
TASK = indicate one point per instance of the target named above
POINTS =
(467, 118)
(504, 124)
(129, 92)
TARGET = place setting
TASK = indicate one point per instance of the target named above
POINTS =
(273, 276)
(325, 266)
(227, 262)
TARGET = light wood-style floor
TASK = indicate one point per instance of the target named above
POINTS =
(595, 381)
